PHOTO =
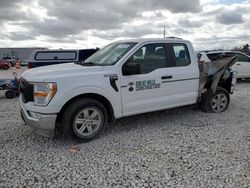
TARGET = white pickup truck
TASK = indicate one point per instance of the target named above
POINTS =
(124, 78)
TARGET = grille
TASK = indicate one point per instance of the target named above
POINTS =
(26, 90)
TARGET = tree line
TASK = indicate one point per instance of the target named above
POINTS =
(245, 49)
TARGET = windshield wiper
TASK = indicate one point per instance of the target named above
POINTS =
(87, 63)
(78, 62)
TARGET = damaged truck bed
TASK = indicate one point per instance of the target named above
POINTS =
(216, 74)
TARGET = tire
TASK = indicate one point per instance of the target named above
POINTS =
(216, 103)
(6, 68)
(10, 94)
(84, 119)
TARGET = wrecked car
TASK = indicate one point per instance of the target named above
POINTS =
(242, 65)
(122, 79)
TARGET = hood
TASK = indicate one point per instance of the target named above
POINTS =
(52, 72)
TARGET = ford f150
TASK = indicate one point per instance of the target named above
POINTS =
(122, 79)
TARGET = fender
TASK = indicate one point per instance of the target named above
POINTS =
(113, 98)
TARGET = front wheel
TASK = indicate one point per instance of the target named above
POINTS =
(217, 102)
(84, 119)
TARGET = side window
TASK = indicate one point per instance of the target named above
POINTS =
(149, 57)
(214, 56)
(229, 54)
(181, 55)
(242, 58)
(53, 55)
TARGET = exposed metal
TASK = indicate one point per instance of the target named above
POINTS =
(215, 70)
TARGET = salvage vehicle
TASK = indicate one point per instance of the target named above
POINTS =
(4, 64)
(242, 65)
(40, 58)
(122, 79)
(11, 60)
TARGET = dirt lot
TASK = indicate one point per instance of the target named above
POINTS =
(172, 148)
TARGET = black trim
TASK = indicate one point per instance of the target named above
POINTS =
(180, 80)
(112, 80)
(166, 77)
(26, 90)
(171, 60)
(123, 86)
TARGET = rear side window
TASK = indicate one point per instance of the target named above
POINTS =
(69, 55)
(214, 56)
(242, 58)
(181, 54)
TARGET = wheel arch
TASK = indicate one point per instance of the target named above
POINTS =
(223, 83)
(94, 96)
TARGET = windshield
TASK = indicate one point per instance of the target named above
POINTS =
(110, 54)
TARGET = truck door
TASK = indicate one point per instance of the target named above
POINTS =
(152, 80)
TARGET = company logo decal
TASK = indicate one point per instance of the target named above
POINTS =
(146, 84)
(143, 85)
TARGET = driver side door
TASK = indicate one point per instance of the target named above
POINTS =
(141, 90)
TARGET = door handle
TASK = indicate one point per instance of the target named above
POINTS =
(238, 64)
(166, 77)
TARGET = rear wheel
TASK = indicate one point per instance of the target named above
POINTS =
(6, 67)
(84, 119)
(217, 102)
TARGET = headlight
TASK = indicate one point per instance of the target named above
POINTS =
(43, 93)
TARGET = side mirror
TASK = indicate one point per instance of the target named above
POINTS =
(131, 68)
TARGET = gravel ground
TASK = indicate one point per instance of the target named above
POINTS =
(172, 148)
(7, 74)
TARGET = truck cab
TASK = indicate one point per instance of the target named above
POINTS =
(122, 79)
(158, 75)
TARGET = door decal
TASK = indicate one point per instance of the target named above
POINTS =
(131, 86)
(143, 85)
(147, 84)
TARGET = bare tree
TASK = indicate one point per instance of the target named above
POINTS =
(245, 48)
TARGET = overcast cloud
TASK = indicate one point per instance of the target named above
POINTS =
(230, 17)
(88, 24)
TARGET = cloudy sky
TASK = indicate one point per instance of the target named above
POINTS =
(208, 24)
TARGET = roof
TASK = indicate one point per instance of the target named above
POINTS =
(221, 51)
(140, 40)
(62, 50)
(9, 48)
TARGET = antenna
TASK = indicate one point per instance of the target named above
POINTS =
(164, 32)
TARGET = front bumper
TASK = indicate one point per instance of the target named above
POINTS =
(43, 125)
